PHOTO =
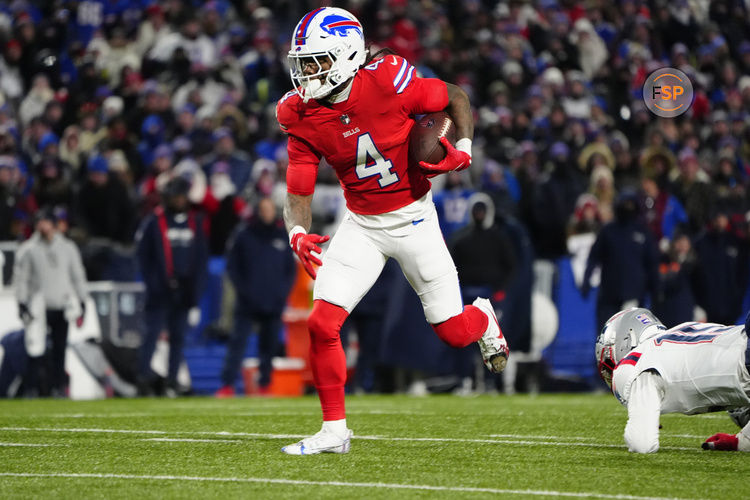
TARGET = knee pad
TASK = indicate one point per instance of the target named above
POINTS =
(462, 329)
(325, 321)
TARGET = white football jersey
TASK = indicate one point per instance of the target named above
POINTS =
(703, 365)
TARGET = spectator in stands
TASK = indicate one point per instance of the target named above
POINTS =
(627, 254)
(261, 267)
(553, 201)
(198, 47)
(53, 178)
(486, 263)
(721, 269)
(172, 253)
(452, 204)
(104, 209)
(693, 189)
(239, 162)
(223, 206)
(50, 287)
(676, 302)
(8, 197)
(663, 211)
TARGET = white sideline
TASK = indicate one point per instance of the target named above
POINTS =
(459, 489)
(366, 438)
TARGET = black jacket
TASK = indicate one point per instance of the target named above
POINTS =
(261, 267)
(628, 257)
(720, 277)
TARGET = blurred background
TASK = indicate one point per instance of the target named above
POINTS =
(579, 200)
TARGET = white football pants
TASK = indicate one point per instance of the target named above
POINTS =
(411, 235)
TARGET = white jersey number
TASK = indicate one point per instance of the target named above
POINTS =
(371, 162)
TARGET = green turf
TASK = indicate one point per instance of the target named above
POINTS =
(544, 444)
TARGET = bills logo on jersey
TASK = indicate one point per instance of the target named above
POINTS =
(340, 25)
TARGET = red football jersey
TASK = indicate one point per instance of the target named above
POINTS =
(365, 138)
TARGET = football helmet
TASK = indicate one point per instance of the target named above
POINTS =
(621, 334)
(328, 33)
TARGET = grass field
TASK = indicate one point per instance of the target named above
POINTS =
(433, 447)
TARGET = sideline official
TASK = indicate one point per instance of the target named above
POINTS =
(172, 253)
(50, 286)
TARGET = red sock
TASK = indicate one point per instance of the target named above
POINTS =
(327, 357)
(463, 329)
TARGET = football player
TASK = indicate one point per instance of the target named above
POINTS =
(691, 368)
(357, 112)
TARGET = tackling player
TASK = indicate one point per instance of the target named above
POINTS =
(357, 114)
(691, 368)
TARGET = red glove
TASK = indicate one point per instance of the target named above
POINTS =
(721, 442)
(454, 160)
(304, 245)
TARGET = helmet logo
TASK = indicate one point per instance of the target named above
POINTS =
(643, 318)
(340, 25)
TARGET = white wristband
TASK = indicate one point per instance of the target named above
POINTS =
(464, 145)
(296, 230)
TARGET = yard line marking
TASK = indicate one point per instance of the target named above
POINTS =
(363, 437)
(527, 436)
(302, 482)
(119, 431)
(711, 416)
(94, 415)
(189, 440)
(688, 436)
(31, 445)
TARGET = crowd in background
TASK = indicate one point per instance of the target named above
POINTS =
(103, 101)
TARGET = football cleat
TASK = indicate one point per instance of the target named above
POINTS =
(492, 345)
(324, 441)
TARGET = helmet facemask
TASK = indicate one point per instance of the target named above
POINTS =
(622, 333)
(316, 85)
(332, 37)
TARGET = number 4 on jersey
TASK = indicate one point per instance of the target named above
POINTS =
(371, 162)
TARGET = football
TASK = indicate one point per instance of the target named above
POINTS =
(424, 138)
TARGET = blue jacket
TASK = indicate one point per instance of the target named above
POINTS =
(261, 267)
(177, 270)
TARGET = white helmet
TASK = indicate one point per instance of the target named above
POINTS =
(621, 334)
(326, 32)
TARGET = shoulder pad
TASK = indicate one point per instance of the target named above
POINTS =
(288, 109)
(394, 71)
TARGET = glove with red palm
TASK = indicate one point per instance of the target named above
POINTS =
(304, 245)
(457, 158)
(721, 442)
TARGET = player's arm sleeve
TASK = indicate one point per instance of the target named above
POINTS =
(644, 408)
(22, 277)
(303, 167)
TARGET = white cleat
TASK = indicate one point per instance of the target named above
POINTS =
(492, 345)
(323, 442)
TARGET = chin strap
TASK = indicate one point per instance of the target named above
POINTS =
(310, 89)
